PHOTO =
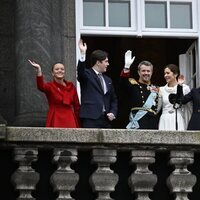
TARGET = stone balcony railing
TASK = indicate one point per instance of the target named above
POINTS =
(122, 164)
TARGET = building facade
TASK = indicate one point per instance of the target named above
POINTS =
(46, 31)
(44, 163)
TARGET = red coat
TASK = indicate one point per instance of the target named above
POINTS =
(63, 103)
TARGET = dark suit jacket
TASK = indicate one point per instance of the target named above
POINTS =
(194, 96)
(92, 96)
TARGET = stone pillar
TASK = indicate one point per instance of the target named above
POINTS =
(7, 60)
(69, 39)
(142, 180)
(181, 181)
(2, 127)
(64, 179)
(103, 180)
(25, 178)
(40, 36)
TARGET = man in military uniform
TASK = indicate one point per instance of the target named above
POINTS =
(141, 94)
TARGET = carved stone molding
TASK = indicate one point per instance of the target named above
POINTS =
(181, 181)
(25, 177)
(142, 180)
(64, 179)
(103, 180)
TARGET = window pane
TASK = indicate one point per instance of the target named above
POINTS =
(119, 13)
(155, 14)
(181, 15)
(93, 13)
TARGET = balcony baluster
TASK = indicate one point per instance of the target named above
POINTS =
(104, 180)
(181, 181)
(64, 179)
(142, 180)
(25, 177)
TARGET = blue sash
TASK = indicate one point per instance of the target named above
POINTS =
(134, 118)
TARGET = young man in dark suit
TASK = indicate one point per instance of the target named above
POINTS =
(98, 98)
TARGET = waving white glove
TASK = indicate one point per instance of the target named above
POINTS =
(128, 59)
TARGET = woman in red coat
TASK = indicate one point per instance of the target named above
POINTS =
(62, 98)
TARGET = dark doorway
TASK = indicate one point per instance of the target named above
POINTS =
(159, 51)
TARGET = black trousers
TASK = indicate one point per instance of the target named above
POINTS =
(101, 122)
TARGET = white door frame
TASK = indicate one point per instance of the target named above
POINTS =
(189, 65)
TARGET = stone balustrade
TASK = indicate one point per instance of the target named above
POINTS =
(110, 173)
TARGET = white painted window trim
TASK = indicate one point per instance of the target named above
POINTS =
(172, 30)
(138, 31)
(138, 22)
(106, 28)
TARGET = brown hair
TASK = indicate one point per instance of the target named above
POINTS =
(174, 68)
(55, 64)
(98, 55)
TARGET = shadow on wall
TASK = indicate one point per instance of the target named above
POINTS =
(2, 120)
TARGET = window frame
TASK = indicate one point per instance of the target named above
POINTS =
(106, 28)
(137, 22)
(168, 29)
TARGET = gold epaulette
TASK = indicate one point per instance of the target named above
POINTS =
(133, 81)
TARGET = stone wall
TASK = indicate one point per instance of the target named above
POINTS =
(7, 60)
(43, 31)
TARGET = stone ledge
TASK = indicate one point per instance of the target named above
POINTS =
(102, 136)
(2, 131)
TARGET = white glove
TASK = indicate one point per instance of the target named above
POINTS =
(128, 59)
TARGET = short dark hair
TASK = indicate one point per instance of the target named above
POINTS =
(146, 63)
(98, 55)
(174, 68)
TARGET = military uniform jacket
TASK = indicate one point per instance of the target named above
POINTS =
(137, 94)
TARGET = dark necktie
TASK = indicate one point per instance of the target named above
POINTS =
(103, 85)
(102, 82)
